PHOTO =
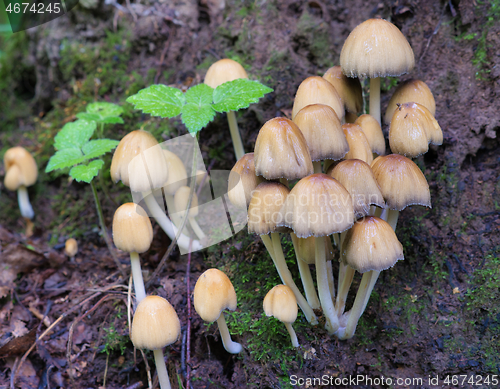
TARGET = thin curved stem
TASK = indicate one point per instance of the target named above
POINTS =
(140, 291)
(161, 369)
(24, 203)
(306, 277)
(375, 98)
(197, 229)
(229, 345)
(293, 335)
(239, 151)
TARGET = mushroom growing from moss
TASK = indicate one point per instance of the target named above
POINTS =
(213, 293)
(280, 302)
(21, 171)
(155, 325)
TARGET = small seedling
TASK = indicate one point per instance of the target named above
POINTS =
(200, 103)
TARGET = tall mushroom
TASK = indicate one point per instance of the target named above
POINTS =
(213, 293)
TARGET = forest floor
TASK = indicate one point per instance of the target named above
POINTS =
(435, 314)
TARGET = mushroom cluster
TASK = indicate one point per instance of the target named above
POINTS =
(343, 187)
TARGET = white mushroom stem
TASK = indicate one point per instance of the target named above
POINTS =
(347, 274)
(331, 279)
(375, 98)
(161, 369)
(239, 151)
(392, 218)
(24, 203)
(365, 289)
(229, 345)
(169, 199)
(196, 228)
(168, 226)
(325, 297)
(306, 277)
(286, 277)
(293, 335)
(135, 262)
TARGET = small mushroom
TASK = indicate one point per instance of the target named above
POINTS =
(213, 293)
(281, 303)
(155, 325)
(71, 248)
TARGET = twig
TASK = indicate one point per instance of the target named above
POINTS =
(188, 330)
(105, 372)
(148, 370)
(105, 232)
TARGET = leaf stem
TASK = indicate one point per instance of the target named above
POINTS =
(239, 151)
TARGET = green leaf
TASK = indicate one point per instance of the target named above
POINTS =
(195, 117)
(86, 172)
(98, 147)
(64, 158)
(159, 100)
(200, 94)
(104, 109)
(238, 94)
(112, 120)
(88, 116)
(74, 134)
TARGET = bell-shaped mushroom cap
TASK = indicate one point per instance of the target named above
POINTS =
(155, 324)
(181, 200)
(177, 175)
(132, 230)
(401, 182)
(373, 132)
(411, 90)
(71, 247)
(349, 89)
(153, 166)
(213, 293)
(20, 168)
(359, 148)
(281, 303)
(242, 181)
(412, 129)
(371, 244)
(223, 71)
(323, 132)
(357, 177)
(376, 48)
(316, 90)
(281, 151)
(264, 208)
(317, 205)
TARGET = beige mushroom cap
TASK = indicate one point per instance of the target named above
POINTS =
(223, 71)
(132, 145)
(401, 181)
(213, 293)
(349, 89)
(376, 48)
(155, 324)
(281, 303)
(373, 132)
(411, 90)
(20, 168)
(281, 151)
(71, 247)
(242, 181)
(132, 230)
(323, 132)
(317, 205)
(371, 244)
(317, 90)
(359, 148)
(177, 175)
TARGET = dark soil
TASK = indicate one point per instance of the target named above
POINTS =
(434, 314)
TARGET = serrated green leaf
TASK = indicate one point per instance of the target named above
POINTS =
(74, 134)
(64, 158)
(238, 94)
(86, 172)
(112, 120)
(159, 100)
(195, 117)
(88, 116)
(200, 94)
(104, 109)
(96, 148)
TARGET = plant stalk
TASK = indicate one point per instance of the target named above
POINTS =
(239, 151)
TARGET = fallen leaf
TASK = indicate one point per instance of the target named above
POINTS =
(18, 346)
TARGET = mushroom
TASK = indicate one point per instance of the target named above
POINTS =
(21, 171)
(373, 132)
(133, 233)
(181, 203)
(280, 302)
(369, 247)
(376, 48)
(242, 181)
(359, 148)
(349, 89)
(177, 177)
(217, 74)
(71, 248)
(213, 293)
(155, 325)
